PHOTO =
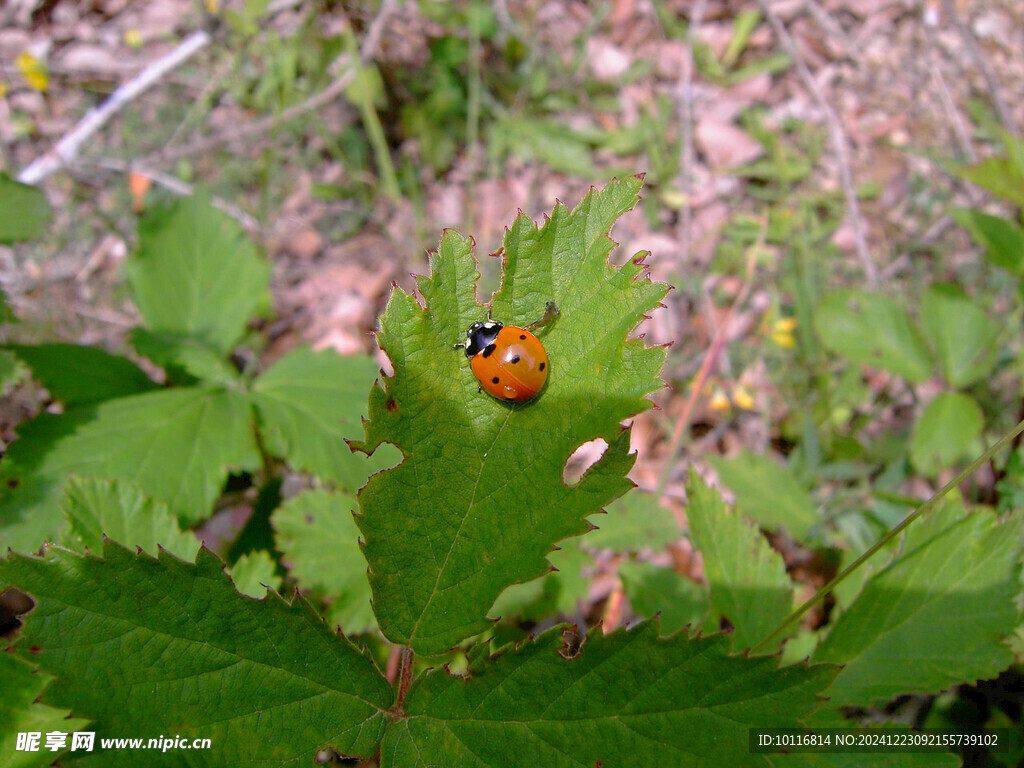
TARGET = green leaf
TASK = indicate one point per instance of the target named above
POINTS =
(873, 330)
(945, 432)
(186, 360)
(558, 593)
(165, 647)
(319, 542)
(1000, 176)
(19, 713)
(936, 616)
(1003, 240)
(121, 511)
(309, 403)
(253, 573)
(747, 578)
(176, 445)
(767, 492)
(78, 375)
(962, 335)
(634, 522)
(629, 699)
(479, 500)
(653, 590)
(195, 273)
(24, 212)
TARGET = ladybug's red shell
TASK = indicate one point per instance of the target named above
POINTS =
(509, 362)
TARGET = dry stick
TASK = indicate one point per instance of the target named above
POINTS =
(685, 97)
(705, 369)
(174, 184)
(264, 125)
(67, 148)
(952, 113)
(838, 137)
(979, 61)
(373, 34)
(921, 510)
(831, 27)
(267, 124)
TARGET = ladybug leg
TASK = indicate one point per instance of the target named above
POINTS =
(550, 313)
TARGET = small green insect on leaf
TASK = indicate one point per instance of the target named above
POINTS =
(479, 501)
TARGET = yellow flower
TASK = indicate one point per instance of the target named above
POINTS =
(133, 38)
(782, 332)
(720, 402)
(743, 399)
(33, 71)
(212, 7)
(3, 89)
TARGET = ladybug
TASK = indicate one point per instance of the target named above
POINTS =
(509, 362)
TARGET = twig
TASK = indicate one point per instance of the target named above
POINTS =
(926, 507)
(831, 27)
(979, 61)
(838, 137)
(685, 97)
(264, 125)
(371, 41)
(175, 185)
(952, 113)
(66, 150)
(710, 359)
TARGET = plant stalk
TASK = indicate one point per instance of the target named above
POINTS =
(927, 506)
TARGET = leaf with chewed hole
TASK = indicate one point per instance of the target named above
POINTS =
(145, 646)
(478, 501)
(627, 699)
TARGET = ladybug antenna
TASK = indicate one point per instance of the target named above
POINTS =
(550, 313)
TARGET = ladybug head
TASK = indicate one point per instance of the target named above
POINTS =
(481, 335)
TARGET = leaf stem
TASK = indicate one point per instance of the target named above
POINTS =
(404, 676)
(927, 506)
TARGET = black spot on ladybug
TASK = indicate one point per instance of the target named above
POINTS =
(391, 405)
(515, 359)
(522, 337)
(541, 366)
(495, 380)
(488, 350)
(13, 482)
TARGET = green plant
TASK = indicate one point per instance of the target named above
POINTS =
(146, 643)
